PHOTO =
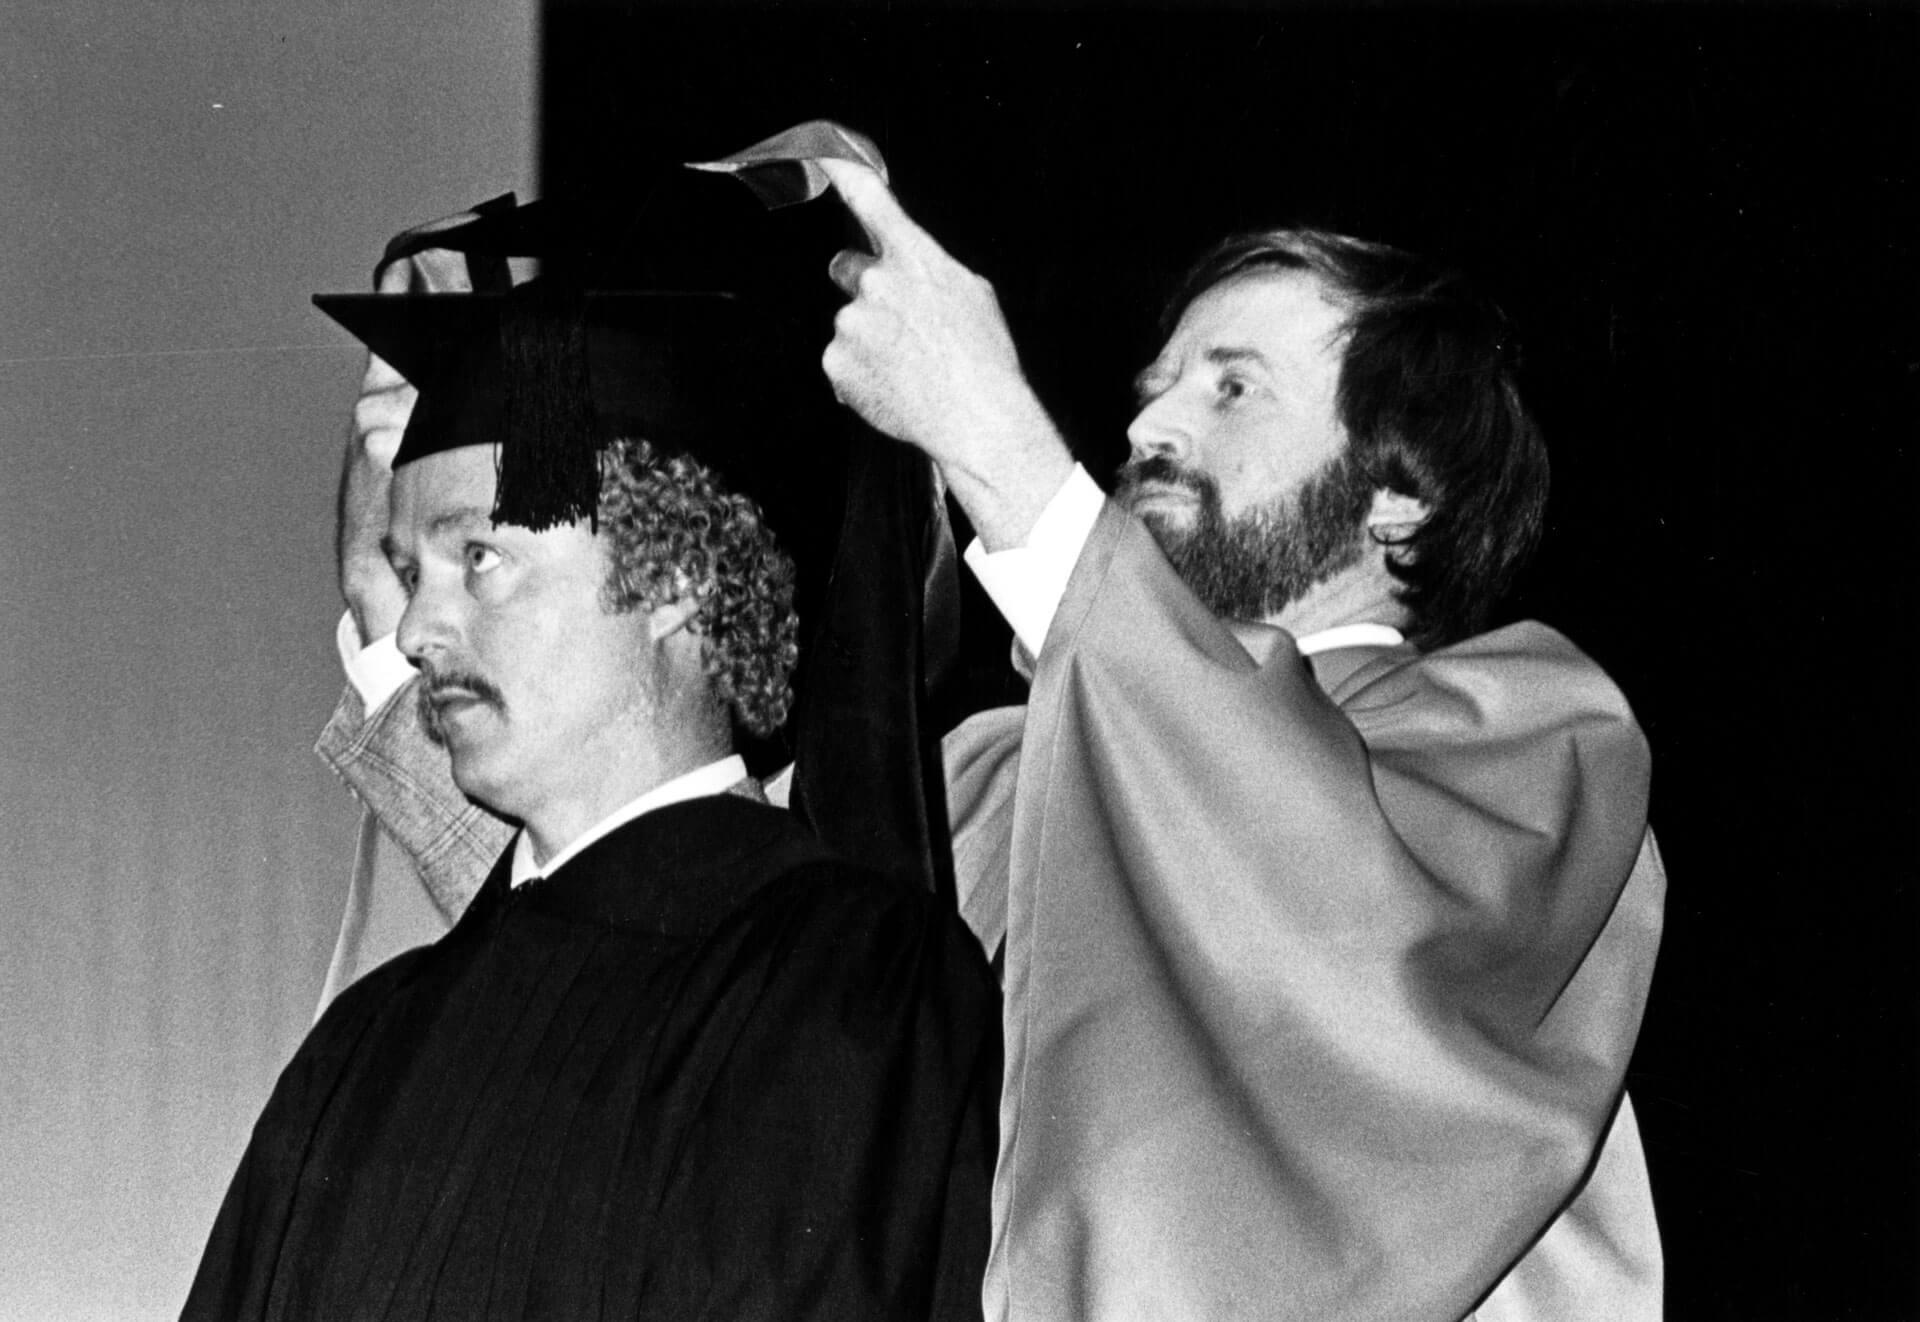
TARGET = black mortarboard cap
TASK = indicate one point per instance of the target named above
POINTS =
(554, 375)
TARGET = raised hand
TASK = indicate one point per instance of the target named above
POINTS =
(922, 353)
(373, 593)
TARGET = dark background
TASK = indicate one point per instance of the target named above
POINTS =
(1704, 220)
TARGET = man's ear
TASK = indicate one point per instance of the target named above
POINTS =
(1394, 517)
(666, 620)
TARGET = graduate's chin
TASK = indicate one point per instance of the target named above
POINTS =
(461, 733)
(475, 744)
(474, 772)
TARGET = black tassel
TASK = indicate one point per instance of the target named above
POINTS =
(549, 466)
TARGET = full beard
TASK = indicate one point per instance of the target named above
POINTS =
(1252, 566)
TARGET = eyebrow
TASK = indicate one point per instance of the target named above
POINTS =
(1227, 354)
(1224, 355)
(464, 516)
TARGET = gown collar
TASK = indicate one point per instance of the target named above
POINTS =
(675, 871)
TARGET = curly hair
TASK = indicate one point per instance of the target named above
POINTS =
(676, 529)
(1431, 406)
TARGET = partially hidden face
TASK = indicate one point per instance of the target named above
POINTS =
(1240, 465)
(529, 681)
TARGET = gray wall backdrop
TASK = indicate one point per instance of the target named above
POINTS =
(175, 180)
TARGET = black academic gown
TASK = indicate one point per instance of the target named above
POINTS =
(705, 1070)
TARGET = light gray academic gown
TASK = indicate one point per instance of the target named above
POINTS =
(1321, 977)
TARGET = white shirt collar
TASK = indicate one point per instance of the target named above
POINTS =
(713, 778)
(1349, 635)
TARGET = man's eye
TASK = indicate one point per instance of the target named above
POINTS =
(1233, 387)
(481, 558)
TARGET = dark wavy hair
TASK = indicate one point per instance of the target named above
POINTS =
(1431, 408)
(676, 529)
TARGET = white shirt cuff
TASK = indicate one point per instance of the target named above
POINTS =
(376, 670)
(1027, 582)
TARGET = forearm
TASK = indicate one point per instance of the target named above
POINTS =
(367, 582)
(372, 590)
(1006, 481)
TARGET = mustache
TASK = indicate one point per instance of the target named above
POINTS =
(438, 686)
(1158, 469)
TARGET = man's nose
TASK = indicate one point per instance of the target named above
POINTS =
(429, 625)
(1159, 430)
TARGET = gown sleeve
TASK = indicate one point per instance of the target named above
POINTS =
(1319, 1008)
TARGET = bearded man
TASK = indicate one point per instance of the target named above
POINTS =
(1327, 920)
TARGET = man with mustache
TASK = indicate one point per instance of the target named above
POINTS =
(1327, 919)
(676, 1058)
